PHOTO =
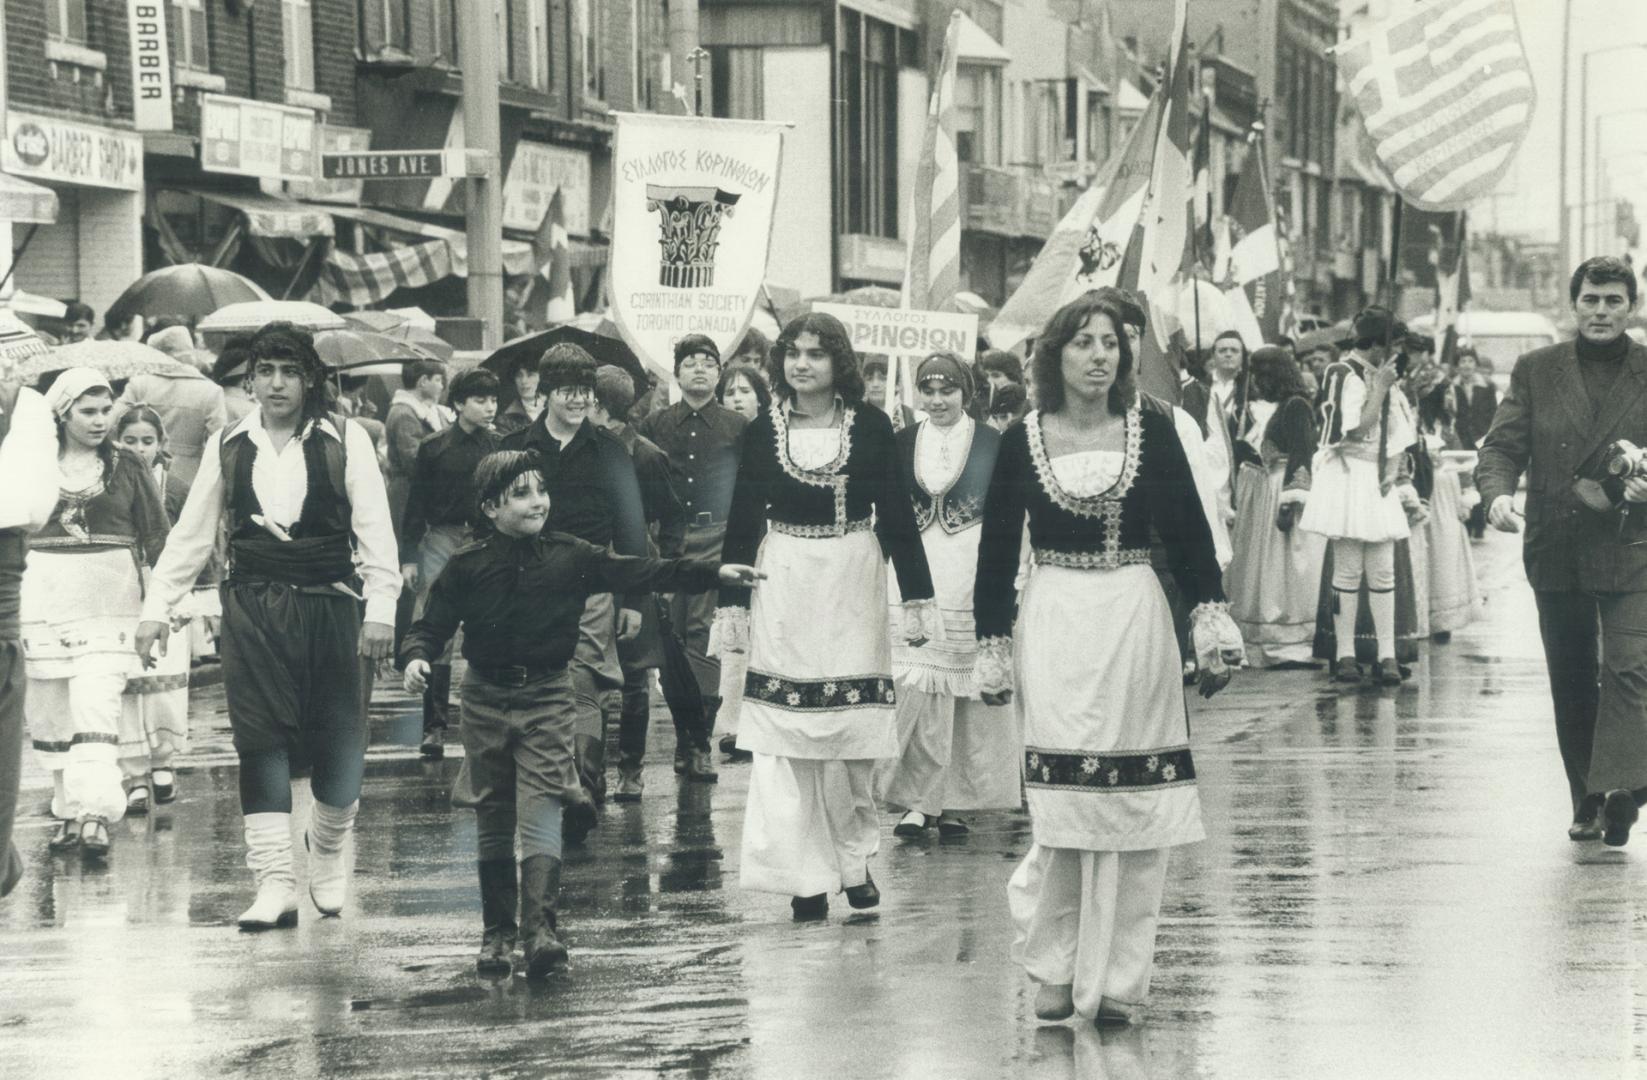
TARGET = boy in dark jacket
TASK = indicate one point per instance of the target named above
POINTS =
(519, 595)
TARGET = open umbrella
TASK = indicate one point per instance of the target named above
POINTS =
(115, 359)
(349, 348)
(390, 325)
(256, 314)
(605, 350)
(188, 291)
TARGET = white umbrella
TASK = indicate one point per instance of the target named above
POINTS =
(115, 359)
(256, 314)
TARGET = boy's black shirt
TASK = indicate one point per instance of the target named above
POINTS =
(519, 600)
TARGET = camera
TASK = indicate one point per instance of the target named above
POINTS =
(1625, 460)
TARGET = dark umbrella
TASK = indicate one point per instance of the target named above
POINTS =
(605, 350)
(187, 291)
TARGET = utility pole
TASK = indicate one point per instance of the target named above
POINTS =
(478, 56)
(1566, 255)
(683, 43)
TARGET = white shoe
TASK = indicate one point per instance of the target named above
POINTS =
(329, 826)
(269, 855)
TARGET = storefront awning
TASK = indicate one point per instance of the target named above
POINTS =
(31, 204)
(269, 217)
(517, 254)
(974, 45)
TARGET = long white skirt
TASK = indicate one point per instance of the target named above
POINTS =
(1346, 504)
(1107, 763)
(1275, 579)
(819, 684)
(1455, 598)
(810, 826)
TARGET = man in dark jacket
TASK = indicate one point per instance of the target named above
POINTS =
(1586, 546)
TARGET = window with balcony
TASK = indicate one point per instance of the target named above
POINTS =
(297, 31)
(871, 53)
(978, 114)
(191, 47)
(66, 20)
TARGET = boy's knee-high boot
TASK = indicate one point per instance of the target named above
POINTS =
(539, 895)
(498, 898)
(269, 855)
(329, 826)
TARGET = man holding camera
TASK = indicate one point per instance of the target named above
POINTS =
(1572, 420)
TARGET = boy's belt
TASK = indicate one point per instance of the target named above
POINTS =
(516, 676)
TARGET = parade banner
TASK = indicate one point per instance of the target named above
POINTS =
(151, 67)
(906, 333)
(692, 202)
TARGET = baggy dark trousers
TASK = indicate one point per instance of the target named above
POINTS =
(12, 685)
(292, 677)
(1595, 647)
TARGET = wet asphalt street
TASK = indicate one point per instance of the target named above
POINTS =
(1387, 891)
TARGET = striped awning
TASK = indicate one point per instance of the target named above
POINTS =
(269, 217)
(362, 280)
(517, 254)
(31, 204)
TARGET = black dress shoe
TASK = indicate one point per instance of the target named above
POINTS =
(1389, 672)
(808, 908)
(1619, 812)
(433, 745)
(1587, 829)
(729, 747)
(865, 895)
(1346, 670)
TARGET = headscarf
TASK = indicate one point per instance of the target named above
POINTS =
(71, 386)
(948, 370)
(174, 341)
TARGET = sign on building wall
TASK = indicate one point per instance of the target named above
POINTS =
(692, 202)
(902, 332)
(333, 139)
(63, 151)
(254, 138)
(151, 65)
(534, 173)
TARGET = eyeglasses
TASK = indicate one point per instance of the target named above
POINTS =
(574, 393)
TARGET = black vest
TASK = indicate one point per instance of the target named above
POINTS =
(319, 551)
(962, 505)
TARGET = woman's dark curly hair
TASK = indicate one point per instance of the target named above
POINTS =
(1048, 361)
(283, 341)
(833, 336)
(1275, 375)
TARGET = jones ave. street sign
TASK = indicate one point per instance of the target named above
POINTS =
(394, 164)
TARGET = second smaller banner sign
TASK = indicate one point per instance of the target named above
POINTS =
(901, 332)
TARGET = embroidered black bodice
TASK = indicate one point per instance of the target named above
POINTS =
(960, 504)
(859, 489)
(1100, 532)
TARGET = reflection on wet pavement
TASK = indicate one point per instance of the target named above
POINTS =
(1387, 890)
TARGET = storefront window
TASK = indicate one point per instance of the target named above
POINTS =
(66, 20)
(193, 50)
(298, 32)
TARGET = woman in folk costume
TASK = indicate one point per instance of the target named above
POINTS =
(154, 717)
(1274, 578)
(1110, 779)
(82, 594)
(1454, 597)
(811, 658)
(1355, 498)
(956, 753)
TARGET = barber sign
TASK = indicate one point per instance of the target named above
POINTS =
(692, 202)
(151, 66)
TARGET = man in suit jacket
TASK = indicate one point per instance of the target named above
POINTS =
(1567, 404)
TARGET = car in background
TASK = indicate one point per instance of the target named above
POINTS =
(1499, 337)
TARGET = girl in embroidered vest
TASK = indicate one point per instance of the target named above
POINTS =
(955, 753)
(154, 715)
(82, 594)
(806, 673)
(1110, 780)
(1273, 579)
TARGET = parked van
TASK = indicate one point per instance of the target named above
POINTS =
(1499, 336)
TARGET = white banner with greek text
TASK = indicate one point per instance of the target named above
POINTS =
(692, 202)
(894, 332)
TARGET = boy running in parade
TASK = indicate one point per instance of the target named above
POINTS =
(519, 595)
